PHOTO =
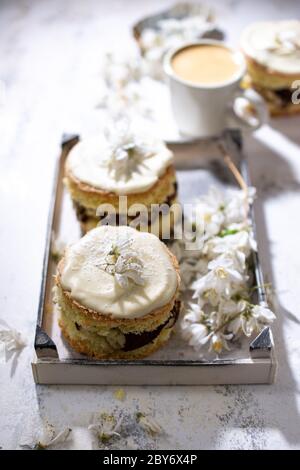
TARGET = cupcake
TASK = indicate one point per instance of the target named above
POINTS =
(272, 52)
(122, 162)
(116, 289)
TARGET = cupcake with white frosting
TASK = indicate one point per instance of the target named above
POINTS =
(272, 51)
(117, 291)
(121, 162)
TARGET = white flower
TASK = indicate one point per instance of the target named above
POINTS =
(285, 42)
(129, 267)
(241, 241)
(238, 260)
(10, 340)
(219, 341)
(218, 273)
(209, 209)
(198, 335)
(120, 394)
(236, 205)
(263, 314)
(177, 248)
(131, 444)
(189, 262)
(171, 33)
(239, 311)
(223, 279)
(122, 263)
(192, 327)
(127, 153)
(214, 199)
(107, 428)
(131, 99)
(60, 438)
(251, 318)
(232, 260)
(119, 72)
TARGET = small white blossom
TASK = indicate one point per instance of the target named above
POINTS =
(177, 248)
(193, 328)
(189, 262)
(223, 279)
(60, 438)
(129, 267)
(58, 247)
(218, 274)
(214, 200)
(219, 341)
(239, 312)
(285, 42)
(209, 209)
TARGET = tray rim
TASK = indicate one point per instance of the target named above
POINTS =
(257, 371)
(261, 348)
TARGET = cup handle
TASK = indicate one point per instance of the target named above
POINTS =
(248, 110)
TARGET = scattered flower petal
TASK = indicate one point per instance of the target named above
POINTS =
(60, 438)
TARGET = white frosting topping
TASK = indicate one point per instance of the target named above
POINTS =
(274, 44)
(122, 163)
(92, 285)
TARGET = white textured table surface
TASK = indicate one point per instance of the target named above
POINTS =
(49, 62)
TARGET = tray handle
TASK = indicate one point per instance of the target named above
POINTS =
(261, 346)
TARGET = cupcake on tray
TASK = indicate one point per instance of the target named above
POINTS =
(117, 290)
(121, 162)
(272, 52)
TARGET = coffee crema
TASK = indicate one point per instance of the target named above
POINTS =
(205, 64)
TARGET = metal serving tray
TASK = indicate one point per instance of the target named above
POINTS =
(199, 165)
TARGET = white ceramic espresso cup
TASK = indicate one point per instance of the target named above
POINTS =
(204, 110)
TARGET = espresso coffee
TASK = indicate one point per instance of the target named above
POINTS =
(205, 64)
